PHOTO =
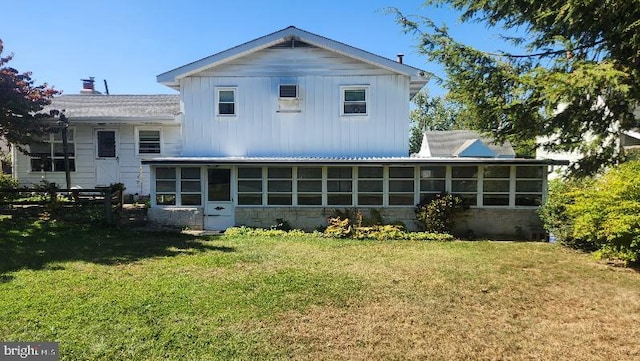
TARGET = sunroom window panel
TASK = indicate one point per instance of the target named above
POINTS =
(369, 199)
(309, 199)
(401, 199)
(464, 185)
(249, 186)
(401, 172)
(370, 172)
(529, 172)
(464, 172)
(404, 186)
(339, 186)
(309, 173)
(528, 200)
(433, 172)
(435, 185)
(279, 186)
(310, 186)
(495, 199)
(370, 186)
(528, 186)
(279, 199)
(339, 199)
(497, 172)
(251, 173)
(496, 186)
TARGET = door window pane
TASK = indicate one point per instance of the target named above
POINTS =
(106, 144)
(219, 189)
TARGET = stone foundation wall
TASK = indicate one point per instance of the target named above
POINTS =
(491, 223)
(191, 217)
(476, 223)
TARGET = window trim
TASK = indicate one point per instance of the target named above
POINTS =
(367, 100)
(234, 89)
(137, 141)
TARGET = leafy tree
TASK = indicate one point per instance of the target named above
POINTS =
(430, 113)
(578, 74)
(21, 105)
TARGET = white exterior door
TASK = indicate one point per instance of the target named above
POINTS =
(219, 210)
(107, 167)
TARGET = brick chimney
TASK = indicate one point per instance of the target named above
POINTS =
(88, 87)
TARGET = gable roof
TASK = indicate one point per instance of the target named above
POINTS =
(462, 143)
(113, 107)
(474, 148)
(171, 78)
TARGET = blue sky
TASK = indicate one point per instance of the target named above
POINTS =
(129, 42)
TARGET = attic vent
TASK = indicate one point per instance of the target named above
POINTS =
(288, 91)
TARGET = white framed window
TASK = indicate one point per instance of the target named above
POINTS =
(288, 91)
(464, 183)
(226, 99)
(250, 186)
(529, 185)
(166, 186)
(309, 184)
(401, 186)
(370, 186)
(354, 100)
(496, 185)
(148, 141)
(339, 186)
(178, 186)
(280, 186)
(48, 154)
(433, 180)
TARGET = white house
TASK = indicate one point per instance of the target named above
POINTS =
(293, 125)
(109, 135)
(289, 126)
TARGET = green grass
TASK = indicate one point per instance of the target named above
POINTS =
(120, 294)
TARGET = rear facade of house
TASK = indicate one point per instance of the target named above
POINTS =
(294, 126)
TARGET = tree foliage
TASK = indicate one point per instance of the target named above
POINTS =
(21, 104)
(579, 72)
(430, 113)
(601, 214)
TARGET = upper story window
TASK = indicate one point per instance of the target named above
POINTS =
(288, 91)
(149, 141)
(354, 100)
(48, 154)
(226, 101)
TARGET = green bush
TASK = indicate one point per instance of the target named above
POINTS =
(437, 215)
(600, 214)
(7, 182)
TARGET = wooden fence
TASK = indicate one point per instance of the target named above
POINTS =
(111, 198)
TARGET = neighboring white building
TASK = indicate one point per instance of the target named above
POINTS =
(293, 126)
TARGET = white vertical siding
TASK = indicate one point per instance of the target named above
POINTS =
(129, 162)
(259, 129)
(317, 130)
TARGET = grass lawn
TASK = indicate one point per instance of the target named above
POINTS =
(109, 294)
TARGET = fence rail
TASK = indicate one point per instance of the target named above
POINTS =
(110, 197)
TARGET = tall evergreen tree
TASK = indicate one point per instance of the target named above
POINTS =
(574, 86)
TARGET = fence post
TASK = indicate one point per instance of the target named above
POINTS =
(107, 205)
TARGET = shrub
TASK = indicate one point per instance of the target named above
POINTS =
(555, 215)
(607, 214)
(7, 182)
(600, 214)
(339, 228)
(437, 215)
